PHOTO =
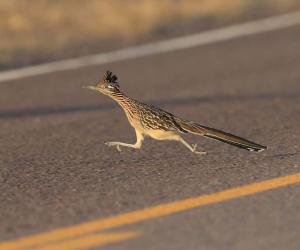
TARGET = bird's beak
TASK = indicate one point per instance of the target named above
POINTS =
(90, 87)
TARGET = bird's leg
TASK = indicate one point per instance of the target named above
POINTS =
(137, 145)
(192, 148)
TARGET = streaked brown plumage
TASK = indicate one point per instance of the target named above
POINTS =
(148, 120)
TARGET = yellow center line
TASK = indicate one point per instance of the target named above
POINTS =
(149, 213)
(91, 241)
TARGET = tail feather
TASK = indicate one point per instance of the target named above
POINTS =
(219, 135)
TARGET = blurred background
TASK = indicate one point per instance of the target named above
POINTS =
(39, 31)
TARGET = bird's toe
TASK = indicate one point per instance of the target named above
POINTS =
(200, 152)
(110, 143)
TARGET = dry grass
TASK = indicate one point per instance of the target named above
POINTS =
(50, 26)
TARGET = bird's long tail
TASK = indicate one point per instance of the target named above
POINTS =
(219, 135)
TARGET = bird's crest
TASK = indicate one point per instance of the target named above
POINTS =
(109, 77)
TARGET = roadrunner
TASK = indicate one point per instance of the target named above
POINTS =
(148, 120)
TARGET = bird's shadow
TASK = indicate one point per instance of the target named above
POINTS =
(284, 155)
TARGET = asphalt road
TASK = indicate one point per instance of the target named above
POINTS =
(56, 171)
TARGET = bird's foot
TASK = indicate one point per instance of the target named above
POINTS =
(110, 144)
(198, 152)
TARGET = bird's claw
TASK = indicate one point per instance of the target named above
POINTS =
(118, 148)
(110, 144)
(198, 152)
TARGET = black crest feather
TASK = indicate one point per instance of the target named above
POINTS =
(109, 77)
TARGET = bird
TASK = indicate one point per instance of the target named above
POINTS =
(150, 121)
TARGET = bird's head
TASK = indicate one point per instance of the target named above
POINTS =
(108, 85)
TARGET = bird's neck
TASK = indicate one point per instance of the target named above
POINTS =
(126, 103)
(121, 99)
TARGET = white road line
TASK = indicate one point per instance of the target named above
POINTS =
(203, 38)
